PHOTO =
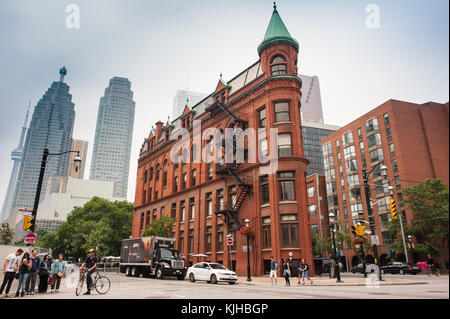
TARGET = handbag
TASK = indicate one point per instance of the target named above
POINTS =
(51, 281)
(17, 275)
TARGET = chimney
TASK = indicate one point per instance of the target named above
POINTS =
(159, 126)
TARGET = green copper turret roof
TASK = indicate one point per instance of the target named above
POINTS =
(276, 32)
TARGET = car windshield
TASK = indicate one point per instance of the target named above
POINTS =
(169, 254)
(217, 266)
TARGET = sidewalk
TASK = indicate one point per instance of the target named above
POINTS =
(325, 281)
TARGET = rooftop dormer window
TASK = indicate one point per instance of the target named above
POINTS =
(278, 65)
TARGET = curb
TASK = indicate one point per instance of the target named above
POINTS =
(346, 284)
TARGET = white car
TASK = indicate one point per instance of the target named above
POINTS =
(211, 272)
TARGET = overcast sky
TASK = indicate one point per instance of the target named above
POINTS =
(162, 46)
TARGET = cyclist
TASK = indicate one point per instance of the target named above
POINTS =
(91, 264)
(430, 264)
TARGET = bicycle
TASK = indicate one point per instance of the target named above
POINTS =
(99, 282)
(432, 270)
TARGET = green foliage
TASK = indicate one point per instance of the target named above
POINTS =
(321, 246)
(160, 227)
(6, 234)
(99, 223)
(429, 202)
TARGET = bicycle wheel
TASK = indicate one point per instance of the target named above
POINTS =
(102, 285)
(79, 288)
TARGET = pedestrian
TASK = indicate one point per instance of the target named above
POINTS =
(24, 271)
(59, 271)
(274, 266)
(10, 267)
(31, 282)
(45, 270)
(304, 268)
(286, 272)
(364, 267)
(90, 264)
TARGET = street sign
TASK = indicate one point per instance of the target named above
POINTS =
(230, 241)
(30, 238)
(375, 240)
(244, 248)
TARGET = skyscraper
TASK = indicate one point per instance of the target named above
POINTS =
(183, 97)
(113, 135)
(16, 156)
(51, 127)
(82, 147)
(311, 99)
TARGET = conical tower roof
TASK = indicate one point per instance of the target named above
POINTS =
(276, 32)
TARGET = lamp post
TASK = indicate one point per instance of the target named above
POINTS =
(366, 174)
(332, 228)
(77, 162)
(249, 278)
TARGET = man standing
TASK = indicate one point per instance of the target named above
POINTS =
(10, 266)
(90, 263)
(31, 281)
(274, 266)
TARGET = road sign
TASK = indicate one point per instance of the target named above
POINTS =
(30, 238)
(244, 248)
(230, 241)
(375, 240)
(393, 208)
(27, 222)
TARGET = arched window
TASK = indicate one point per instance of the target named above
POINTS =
(151, 174)
(164, 181)
(145, 177)
(278, 65)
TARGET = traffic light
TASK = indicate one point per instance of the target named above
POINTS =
(27, 222)
(358, 230)
(393, 207)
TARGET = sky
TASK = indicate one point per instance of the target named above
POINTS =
(162, 46)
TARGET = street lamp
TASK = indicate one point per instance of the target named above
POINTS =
(247, 223)
(77, 163)
(332, 229)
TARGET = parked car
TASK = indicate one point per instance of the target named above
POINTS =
(359, 268)
(211, 273)
(399, 268)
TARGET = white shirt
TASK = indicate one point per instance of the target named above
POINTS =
(13, 262)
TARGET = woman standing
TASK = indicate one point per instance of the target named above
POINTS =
(24, 272)
(45, 269)
(286, 272)
(59, 271)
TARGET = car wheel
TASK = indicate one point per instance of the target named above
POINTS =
(135, 272)
(191, 277)
(128, 271)
(159, 273)
(231, 283)
(402, 272)
(213, 279)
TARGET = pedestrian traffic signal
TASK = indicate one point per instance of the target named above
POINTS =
(359, 230)
(393, 207)
(27, 222)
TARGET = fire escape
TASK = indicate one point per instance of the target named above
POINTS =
(231, 169)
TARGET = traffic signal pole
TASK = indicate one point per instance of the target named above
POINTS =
(38, 190)
(394, 212)
(371, 220)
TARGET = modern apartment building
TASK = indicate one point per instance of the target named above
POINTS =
(113, 135)
(51, 127)
(211, 199)
(412, 140)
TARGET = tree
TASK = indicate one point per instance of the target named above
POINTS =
(6, 234)
(160, 227)
(429, 202)
(321, 246)
(99, 223)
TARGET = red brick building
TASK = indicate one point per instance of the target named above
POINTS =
(211, 200)
(412, 140)
(317, 205)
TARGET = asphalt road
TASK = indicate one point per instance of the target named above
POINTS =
(142, 288)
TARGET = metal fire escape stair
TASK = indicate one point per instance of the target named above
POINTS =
(230, 169)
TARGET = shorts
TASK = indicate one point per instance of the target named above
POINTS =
(273, 274)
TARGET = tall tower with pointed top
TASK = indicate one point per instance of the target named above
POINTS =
(51, 127)
(16, 156)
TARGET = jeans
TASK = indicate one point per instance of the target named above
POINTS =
(43, 283)
(89, 279)
(22, 282)
(305, 274)
(7, 281)
(31, 282)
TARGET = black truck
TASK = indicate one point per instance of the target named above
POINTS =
(151, 256)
